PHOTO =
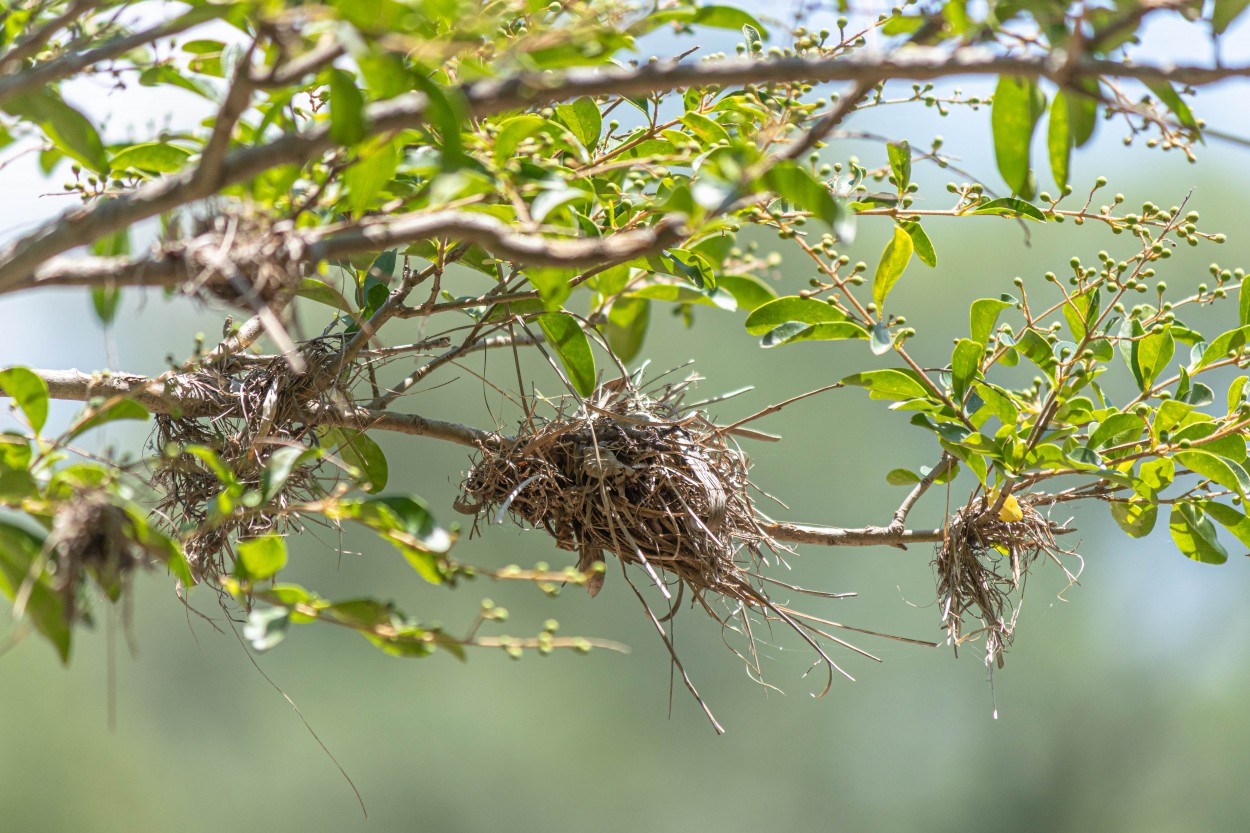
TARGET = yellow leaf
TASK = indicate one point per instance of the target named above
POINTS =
(1010, 512)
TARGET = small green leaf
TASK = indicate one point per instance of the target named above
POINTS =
(1012, 207)
(965, 364)
(1018, 103)
(983, 317)
(626, 327)
(151, 157)
(93, 417)
(104, 301)
(260, 558)
(1158, 474)
(29, 391)
(1214, 468)
(769, 316)
(347, 109)
(750, 292)
(920, 239)
(23, 568)
(1225, 345)
(1117, 429)
(1225, 12)
(893, 261)
(1082, 111)
(359, 450)
(582, 117)
(798, 186)
(902, 477)
(372, 172)
(900, 163)
(1230, 518)
(1195, 535)
(1151, 355)
(727, 17)
(323, 293)
(1136, 518)
(281, 464)
(69, 130)
(565, 336)
(889, 383)
(1165, 93)
(881, 341)
(752, 34)
(1243, 304)
(1059, 139)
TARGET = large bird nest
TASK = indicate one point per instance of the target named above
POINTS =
(658, 486)
(981, 568)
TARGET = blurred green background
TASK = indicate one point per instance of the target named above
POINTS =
(1120, 709)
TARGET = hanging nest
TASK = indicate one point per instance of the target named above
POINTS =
(658, 486)
(981, 568)
(263, 406)
(91, 538)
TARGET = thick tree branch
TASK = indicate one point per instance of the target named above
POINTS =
(78, 227)
(166, 267)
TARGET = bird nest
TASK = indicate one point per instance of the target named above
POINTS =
(981, 568)
(262, 406)
(659, 487)
(635, 477)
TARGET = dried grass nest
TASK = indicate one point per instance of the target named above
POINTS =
(262, 406)
(653, 482)
(981, 567)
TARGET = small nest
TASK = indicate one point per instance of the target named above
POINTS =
(981, 568)
(262, 408)
(644, 479)
(246, 261)
(92, 538)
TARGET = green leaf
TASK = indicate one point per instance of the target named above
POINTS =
(582, 117)
(1059, 140)
(1235, 392)
(750, 292)
(1231, 519)
(983, 317)
(920, 239)
(1117, 429)
(1165, 93)
(407, 524)
(902, 477)
(347, 109)
(1151, 355)
(1136, 518)
(768, 317)
(1194, 535)
(104, 301)
(1225, 12)
(965, 364)
(798, 186)
(1224, 345)
(1082, 111)
(565, 336)
(281, 464)
(889, 383)
(1243, 302)
(359, 450)
(1214, 468)
(69, 130)
(164, 74)
(29, 391)
(23, 569)
(323, 293)
(626, 327)
(1037, 350)
(900, 163)
(95, 417)
(893, 261)
(260, 558)
(373, 171)
(1012, 207)
(752, 34)
(266, 626)
(1157, 474)
(795, 331)
(1018, 103)
(152, 157)
(727, 17)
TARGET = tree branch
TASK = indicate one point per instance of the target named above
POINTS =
(19, 260)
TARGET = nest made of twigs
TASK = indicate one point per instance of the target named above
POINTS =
(263, 405)
(981, 567)
(636, 477)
